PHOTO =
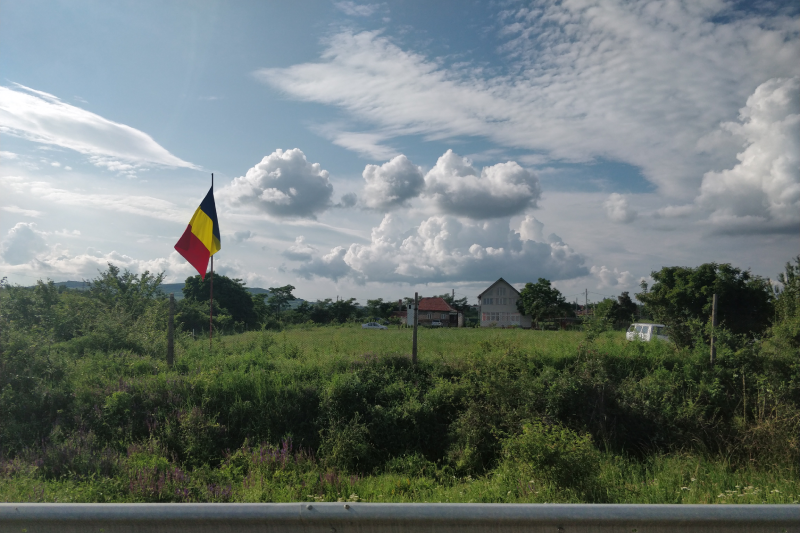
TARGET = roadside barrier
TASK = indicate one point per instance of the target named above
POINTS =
(395, 518)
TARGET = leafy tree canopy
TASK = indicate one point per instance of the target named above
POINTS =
(786, 331)
(459, 304)
(787, 303)
(279, 297)
(681, 298)
(230, 294)
(620, 310)
(126, 289)
(327, 311)
(380, 309)
(193, 316)
(541, 300)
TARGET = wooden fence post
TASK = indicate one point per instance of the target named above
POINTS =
(414, 335)
(171, 331)
(713, 330)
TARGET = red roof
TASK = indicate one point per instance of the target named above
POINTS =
(434, 304)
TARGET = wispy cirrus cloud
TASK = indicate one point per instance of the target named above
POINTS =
(43, 118)
(641, 82)
(133, 204)
(20, 211)
(348, 7)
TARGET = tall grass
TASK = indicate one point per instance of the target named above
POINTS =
(329, 413)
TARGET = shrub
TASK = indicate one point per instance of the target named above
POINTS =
(554, 454)
(345, 446)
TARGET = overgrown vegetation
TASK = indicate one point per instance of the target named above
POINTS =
(90, 412)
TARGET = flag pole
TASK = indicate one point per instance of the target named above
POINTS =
(211, 304)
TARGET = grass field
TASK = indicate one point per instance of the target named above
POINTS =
(338, 413)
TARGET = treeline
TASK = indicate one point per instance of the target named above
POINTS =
(682, 298)
(235, 309)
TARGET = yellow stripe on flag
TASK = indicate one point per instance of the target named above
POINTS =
(203, 229)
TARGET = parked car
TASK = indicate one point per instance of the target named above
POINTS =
(373, 325)
(647, 332)
(436, 324)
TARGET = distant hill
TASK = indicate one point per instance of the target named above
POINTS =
(77, 285)
(166, 288)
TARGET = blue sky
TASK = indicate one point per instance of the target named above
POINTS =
(374, 150)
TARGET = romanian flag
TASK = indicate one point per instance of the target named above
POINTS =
(201, 239)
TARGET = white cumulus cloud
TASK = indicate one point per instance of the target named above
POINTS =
(392, 184)
(762, 192)
(283, 184)
(501, 190)
(331, 265)
(22, 243)
(444, 248)
(618, 210)
(612, 278)
(300, 250)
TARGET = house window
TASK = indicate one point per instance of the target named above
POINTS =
(514, 318)
(430, 315)
(501, 291)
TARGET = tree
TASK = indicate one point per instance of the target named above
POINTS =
(626, 308)
(541, 300)
(459, 304)
(327, 311)
(125, 289)
(279, 297)
(379, 309)
(787, 301)
(230, 294)
(786, 331)
(681, 298)
(298, 315)
(192, 316)
(620, 310)
(343, 310)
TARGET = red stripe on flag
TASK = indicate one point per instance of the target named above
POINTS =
(194, 251)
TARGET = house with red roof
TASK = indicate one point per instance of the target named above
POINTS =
(433, 310)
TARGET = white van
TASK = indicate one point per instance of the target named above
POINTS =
(647, 332)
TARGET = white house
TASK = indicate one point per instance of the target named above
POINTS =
(498, 306)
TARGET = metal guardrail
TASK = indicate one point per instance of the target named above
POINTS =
(395, 518)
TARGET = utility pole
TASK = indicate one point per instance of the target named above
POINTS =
(713, 329)
(171, 331)
(414, 335)
(586, 302)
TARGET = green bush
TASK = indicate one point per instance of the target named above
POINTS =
(345, 446)
(553, 453)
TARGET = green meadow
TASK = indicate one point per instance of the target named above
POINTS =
(333, 413)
